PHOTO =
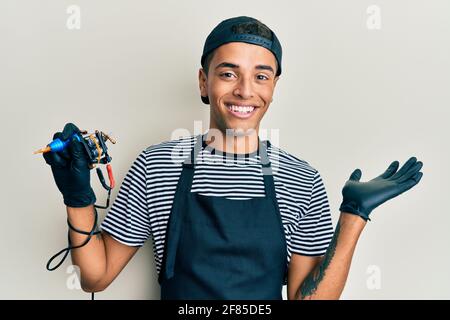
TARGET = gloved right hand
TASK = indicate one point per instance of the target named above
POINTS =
(70, 168)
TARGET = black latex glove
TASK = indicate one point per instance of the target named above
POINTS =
(71, 170)
(361, 198)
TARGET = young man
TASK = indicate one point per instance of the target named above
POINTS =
(230, 216)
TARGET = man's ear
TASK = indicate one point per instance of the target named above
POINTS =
(202, 82)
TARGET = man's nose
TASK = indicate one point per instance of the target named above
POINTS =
(244, 88)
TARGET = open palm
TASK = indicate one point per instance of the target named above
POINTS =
(362, 197)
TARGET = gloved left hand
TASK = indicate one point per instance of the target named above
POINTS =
(361, 198)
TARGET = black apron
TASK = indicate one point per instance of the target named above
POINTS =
(219, 248)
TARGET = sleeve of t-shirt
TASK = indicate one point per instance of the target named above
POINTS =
(315, 229)
(128, 220)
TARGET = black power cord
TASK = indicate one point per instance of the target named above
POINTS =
(66, 250)
(70, 247)
(89, 234)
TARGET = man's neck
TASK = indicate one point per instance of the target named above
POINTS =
(233, 142)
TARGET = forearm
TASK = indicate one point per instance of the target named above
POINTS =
(328, 279)
(91, 258)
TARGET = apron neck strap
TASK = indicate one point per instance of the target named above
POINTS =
(262, 149)
(266, 169)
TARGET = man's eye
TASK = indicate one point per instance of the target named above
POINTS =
(263, 77)
(227, 74)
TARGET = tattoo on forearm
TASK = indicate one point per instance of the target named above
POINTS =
(312, 281)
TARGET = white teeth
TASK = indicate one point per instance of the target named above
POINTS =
(241, 109)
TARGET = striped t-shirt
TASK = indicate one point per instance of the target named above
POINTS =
(142, 207)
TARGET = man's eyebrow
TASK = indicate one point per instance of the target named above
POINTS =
(264, 67)
(235, 66)
(227, 65)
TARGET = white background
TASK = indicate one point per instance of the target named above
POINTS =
(348, 97)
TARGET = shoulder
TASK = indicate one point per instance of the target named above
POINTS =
(291, 165)
(167, 153)
(169, 145)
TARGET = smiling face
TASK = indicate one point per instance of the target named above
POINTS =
(240, 85)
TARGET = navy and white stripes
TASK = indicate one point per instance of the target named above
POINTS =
(142, 207)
